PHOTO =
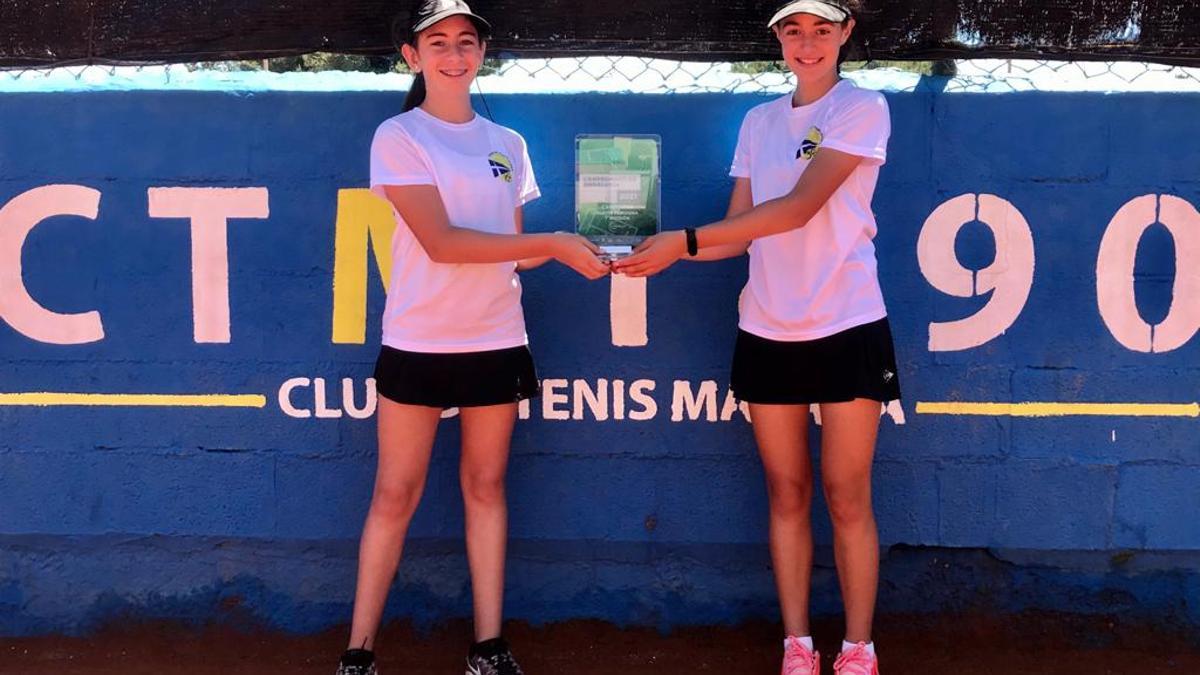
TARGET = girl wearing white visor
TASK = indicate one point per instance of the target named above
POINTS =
(453, 327)
(813, 327)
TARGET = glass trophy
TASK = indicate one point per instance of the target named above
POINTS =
(617, 190)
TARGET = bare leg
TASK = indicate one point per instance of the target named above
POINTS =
(486, 436)
(782, 435)
(848, 433)
(406, 435)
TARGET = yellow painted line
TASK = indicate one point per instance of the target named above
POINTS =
(45, 398)
(1049, 409)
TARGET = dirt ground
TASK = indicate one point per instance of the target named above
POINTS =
(1026, 644)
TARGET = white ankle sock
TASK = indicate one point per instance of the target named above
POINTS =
(847, 646)
(805, 640)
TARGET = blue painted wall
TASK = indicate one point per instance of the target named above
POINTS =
(236, 513)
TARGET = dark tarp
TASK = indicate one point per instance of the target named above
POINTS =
(45, 32)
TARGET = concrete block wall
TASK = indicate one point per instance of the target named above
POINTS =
(185, 512)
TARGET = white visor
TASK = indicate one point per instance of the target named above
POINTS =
(432, 19)
(824, 10)
(432, 11)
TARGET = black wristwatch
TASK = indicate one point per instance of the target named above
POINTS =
(692, 247)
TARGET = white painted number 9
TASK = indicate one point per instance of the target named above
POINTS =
(1008, 278)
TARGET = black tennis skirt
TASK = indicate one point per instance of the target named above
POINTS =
(456, 380)
(859, 362)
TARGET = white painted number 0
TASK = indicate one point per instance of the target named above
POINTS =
(1114, 274)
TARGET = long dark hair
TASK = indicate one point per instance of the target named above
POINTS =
(402, 34)
(856, 10)
(416, 93)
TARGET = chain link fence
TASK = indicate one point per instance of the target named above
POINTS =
(612, 74)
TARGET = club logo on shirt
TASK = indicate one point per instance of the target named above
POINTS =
(501, 166)
(812, 143)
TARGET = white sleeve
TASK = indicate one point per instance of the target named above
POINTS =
(741, 155)
(861, 128)
(527, 187)
(396, 160)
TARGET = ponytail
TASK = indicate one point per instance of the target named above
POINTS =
(402, 35)
(416, 93)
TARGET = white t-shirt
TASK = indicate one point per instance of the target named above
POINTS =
(482, 172)
(819, 279)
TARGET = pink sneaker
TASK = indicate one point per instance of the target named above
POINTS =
(798, 659)
(857, 661)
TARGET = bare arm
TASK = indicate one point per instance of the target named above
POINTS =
(422, 209)
(527, 263)
(817, 184)
(740, 201)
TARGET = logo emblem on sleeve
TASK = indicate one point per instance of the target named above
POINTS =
(812, 143)
(501, 166)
